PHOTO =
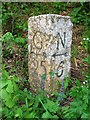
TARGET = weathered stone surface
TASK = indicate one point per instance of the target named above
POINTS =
(49, 46)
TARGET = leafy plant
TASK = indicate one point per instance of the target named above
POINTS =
(78, 108)
(80, 13)
(8, 37)
(14, 47)
(18, 103)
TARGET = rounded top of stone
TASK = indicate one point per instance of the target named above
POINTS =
(56, 15)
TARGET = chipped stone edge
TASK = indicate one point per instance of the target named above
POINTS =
(67, 17)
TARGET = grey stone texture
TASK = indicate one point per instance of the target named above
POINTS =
(49, 47)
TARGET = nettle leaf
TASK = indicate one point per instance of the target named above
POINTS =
(9, 88)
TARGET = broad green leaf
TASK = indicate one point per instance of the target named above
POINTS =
(15, 87)
(87, 59)
(76, 10)
(10, 87)
(51, 106)
(15, 78)
(20, 40)
(5, 110)
(10, 102)
(55, 116)
(18, 113)
(65, 109)
(84, 115)
(5, 75)
(78, 83)
(3, 83)
(3, 94)
(7, 37)
(25, 109)
(46, 115)
(30, 104)
(30, 114)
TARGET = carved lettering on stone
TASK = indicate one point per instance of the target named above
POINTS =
(49, 46)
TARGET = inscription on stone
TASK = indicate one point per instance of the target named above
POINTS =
(49, 46)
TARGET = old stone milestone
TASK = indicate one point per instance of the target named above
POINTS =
(49, 46)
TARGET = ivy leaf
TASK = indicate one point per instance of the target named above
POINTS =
(9, 88)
